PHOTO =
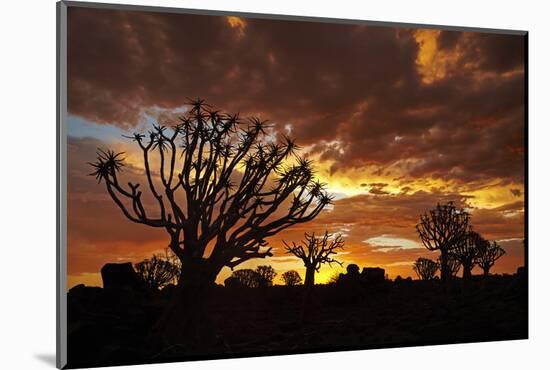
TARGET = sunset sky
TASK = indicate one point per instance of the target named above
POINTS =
(395, 120)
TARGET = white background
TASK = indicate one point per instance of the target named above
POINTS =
(27, 181)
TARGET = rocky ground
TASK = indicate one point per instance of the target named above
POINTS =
(114, 326)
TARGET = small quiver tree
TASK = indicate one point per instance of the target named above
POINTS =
(489, 253)
(291, 278)
(467, 251)
(425, 268)
(442, 228)
(314, 252)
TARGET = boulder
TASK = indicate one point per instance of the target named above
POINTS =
(351, 278)
(120, 275)
(82, 290)
(373, 275)
(352, 270)
(77, 289)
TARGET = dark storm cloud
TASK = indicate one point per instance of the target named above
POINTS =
(133, 59)
(493, 52)
(378, 188)
(359, 85)
(391, 211)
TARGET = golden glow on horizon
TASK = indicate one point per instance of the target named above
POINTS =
(357, 181)
(495, 196)
(86, 278)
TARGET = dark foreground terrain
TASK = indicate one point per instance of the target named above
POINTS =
(113, 326)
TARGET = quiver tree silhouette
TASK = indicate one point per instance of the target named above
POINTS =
(489, 253)
(265, 275)
(157, 272)
(442, 228)
(466, 252)
(291, 278)
(453, 265)
(425, 268)
(316, 251)
(199, 199)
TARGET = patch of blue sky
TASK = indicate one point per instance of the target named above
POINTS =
(79, 127)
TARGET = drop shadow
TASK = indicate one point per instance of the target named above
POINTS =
(47, 358)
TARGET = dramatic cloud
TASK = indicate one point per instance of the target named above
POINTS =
(363, 85)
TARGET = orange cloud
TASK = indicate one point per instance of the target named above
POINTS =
(237, 23)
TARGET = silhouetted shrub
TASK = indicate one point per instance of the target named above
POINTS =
(232, 282)
(265, 275)
(157, 272)
(246, 278)
(334, 278)
(291, 278)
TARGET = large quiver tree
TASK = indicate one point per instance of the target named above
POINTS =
(218, 182)
(442, 228)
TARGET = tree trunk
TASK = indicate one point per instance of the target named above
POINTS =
(444, 267)
(466, 271)
(309, 283)
(184, 321)
(486, 271)
(197, 273)
(310, 277)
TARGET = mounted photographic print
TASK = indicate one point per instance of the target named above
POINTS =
(236, 185)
